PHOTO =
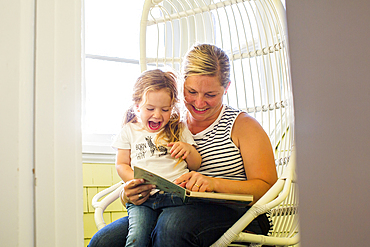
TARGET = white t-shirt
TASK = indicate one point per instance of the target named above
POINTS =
(145, 154)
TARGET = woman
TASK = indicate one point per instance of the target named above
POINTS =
(236, 158)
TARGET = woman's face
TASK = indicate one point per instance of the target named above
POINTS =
(203, 97)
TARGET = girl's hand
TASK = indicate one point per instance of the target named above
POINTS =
(195, 181)
(186, 152)
(136, 192)
(180, 149)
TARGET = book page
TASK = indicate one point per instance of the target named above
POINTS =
(191, 196)
(225, 196)
(160, 182)
(219, 198)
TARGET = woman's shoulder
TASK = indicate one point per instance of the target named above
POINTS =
(242, 116)
(247, 126)
(246, 120)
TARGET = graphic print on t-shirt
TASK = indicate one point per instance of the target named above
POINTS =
(153, 147)
(142, 148)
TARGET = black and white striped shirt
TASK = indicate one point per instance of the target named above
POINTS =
(220, 157)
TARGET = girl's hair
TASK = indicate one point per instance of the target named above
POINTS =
(154, 80)
(207, 59)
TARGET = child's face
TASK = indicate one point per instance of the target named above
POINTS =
(155, 111)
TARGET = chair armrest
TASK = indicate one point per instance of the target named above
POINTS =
(272, 198)
(112, 195)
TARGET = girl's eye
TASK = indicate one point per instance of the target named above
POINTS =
(149, 109)
(210, 95)
(192, 92)
(165, 110)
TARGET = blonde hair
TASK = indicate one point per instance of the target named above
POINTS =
(207, 59)
(155, 80)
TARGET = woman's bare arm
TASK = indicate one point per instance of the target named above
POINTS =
(258, 158)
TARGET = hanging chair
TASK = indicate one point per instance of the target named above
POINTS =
(253, 35)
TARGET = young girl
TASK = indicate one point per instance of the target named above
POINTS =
(153, 138)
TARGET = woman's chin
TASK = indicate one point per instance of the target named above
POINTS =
(198, 116)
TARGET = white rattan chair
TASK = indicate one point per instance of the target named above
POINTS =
(253, 34)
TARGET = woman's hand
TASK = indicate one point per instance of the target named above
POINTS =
(136, 192)
(195, 181)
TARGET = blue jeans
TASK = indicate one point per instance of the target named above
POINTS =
(143, 218)
(181, 226)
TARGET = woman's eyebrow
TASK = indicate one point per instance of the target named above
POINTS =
(189, 88)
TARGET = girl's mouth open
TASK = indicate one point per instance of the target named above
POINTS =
(154, 125)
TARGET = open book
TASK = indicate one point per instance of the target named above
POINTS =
(190, 196)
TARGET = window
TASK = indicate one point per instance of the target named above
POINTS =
(111, 68)
(246, 30)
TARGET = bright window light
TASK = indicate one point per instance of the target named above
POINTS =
(111, 68)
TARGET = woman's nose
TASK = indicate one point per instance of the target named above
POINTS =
(199, 102)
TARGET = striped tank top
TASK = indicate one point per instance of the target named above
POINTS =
(220, 157)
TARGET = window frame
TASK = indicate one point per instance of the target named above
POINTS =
(97, 147)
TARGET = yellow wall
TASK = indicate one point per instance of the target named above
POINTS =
(97, 177)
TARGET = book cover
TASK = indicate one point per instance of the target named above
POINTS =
(191, 196)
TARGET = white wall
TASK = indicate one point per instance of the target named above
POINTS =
(40, 134)
(330, 61)
(16, 116)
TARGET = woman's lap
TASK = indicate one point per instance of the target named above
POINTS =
(194, 225)
(188, 225)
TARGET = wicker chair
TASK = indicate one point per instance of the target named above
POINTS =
(253, 34)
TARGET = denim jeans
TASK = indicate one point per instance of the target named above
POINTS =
(143, 218)
(181, 226)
